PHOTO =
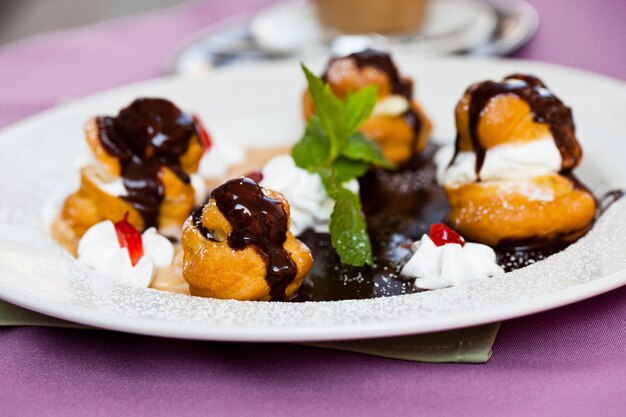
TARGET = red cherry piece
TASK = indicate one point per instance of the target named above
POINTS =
(256, 176)
(441, 234)
(129, 238)
(204, 134)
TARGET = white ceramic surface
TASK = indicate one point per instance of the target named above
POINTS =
(258, 106)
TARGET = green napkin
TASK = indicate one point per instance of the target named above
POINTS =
(12, 315)
(470, 345)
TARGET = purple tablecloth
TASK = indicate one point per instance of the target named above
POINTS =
(567, 362)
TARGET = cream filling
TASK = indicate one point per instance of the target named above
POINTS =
(393, 105)
(516, 161)
(214, 164)
(115, 187)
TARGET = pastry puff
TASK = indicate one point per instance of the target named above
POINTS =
(161, 172)
(212, 268)
(189, 160)
(92, 204)
(401, 130)
(533, 210)
(504, 213)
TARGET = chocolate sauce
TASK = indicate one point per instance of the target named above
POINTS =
(260, 221)
(513, 258)
(546, 108)
(196, 217)
(517, 253)
(399, 207)
(608, 199)
(147, 135)
(381, 61)
(415, 122)
(401, 86)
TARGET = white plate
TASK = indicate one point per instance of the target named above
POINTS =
(259, 106)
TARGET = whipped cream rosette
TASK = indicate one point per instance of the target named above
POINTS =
(119, 252)
(310, 204)
(443, 259)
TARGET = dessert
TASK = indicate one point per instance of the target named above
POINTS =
(397, 124)
(310, 204)
(510, 182)
(119, 252)
(332, 218)
(145, 162)
(399, 207)
(443, 259)
(239, 245)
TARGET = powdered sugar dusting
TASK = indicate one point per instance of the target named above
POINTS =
(33, 264)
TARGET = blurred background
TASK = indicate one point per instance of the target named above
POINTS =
(203, 35)
(22, 18)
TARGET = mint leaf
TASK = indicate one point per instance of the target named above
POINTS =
(329, 109)
(313, 149)
(358, 107)
(329, 178)
(360, 148)
(348, 230)
(332, 147)
(348, 169)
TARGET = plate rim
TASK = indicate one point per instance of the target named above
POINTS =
(197, 331)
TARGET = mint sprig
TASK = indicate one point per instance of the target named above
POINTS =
(332, 147)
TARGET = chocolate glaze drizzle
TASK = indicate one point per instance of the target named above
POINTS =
(260, 221)
(399, 207)
(608, 199)
(381, 61)
(401, 86)
(196, 218)
(147, 135)
(546, 108)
